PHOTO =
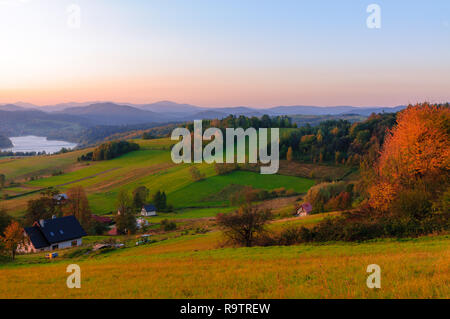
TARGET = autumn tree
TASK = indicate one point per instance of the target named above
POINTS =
(289, 154)
(5, 220)
(13, 237)
(244, 225)
(78, 206)
(196, 174)
(125, 219)
(416, 152)
(43, 208)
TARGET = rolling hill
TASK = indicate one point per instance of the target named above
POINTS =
(114, 114)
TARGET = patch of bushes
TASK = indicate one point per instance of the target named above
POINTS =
(248, 194)
(361, 226)
(330, 196)
(167, 225)
(224, 168)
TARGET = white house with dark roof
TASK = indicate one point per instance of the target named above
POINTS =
(148, 210)
(51, 234)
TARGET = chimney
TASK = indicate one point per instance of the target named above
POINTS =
(41, 222)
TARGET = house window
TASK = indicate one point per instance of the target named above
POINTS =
(61, 232)
(52, 234)
(55, 247)
(74, 243)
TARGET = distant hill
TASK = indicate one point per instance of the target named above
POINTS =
(330, 110)
(114, 114)
(87, 122)
(5, 142)
(34, 122)
(168, 110)
(11, 108)
(207, 115)
(169, 107)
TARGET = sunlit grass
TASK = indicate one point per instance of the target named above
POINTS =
(418, 268)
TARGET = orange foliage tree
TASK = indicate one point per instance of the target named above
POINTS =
(13, 237)
(416, 150)
(78, 205)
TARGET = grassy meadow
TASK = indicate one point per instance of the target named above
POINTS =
(171, 266)
(151, 166)
(416, 268)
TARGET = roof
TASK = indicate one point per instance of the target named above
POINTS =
(149, 208)
(307, 207)
(36, 237)
(60, 197)
(54, 230)
(102, 219)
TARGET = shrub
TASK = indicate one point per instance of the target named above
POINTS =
(196, 174)
(168, 225)
(320, 194)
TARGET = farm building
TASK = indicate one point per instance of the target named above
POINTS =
(304, 210)
(103, 219)
(60, 198)
(113, 231)
(141, 222)
(148, 210)
(51, 234)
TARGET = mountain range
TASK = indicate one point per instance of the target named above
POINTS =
(109, 113)
(88, 122)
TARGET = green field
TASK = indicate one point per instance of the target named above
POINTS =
(171, 266)
(414, 268)
(151, 166)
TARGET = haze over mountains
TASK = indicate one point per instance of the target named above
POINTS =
(109, 113)
(89, 122)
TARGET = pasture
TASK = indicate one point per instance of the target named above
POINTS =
(413, 268)
(151, 166)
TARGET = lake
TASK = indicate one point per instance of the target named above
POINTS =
(37, 144)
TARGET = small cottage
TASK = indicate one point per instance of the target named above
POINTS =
(141, 222)
(51, 234)
(304, 210)
(60, 199)
(148, 210)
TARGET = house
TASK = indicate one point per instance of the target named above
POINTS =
(113, 231)
(148, 210)
(51, 234)
(304, 210)
(60, 198)
(103, 219)
(141, 222)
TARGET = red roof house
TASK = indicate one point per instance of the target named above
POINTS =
(304, 210)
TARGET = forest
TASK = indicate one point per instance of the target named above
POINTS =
(109, 150)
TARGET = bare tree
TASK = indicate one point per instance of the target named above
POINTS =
(244, 225)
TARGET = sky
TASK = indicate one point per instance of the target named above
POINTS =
(217, 53)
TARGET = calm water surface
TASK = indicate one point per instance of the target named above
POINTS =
(37, 144)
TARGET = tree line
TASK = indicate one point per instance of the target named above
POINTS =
(405, 190)
(110, 150)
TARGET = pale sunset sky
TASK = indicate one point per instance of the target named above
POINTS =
(257, 53)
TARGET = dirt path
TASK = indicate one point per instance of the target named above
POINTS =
(87, 177)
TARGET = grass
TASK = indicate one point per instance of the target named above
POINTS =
(151, 166)
(196, 193)
(171, 267)
(414, 268)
